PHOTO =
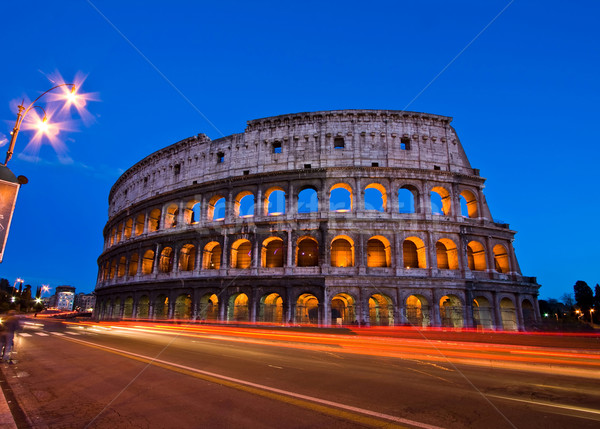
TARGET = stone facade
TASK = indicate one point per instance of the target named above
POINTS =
(354, 216)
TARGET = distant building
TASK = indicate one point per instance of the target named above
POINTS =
(65, 296)
(84, 301)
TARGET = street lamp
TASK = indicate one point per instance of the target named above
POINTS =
(591, 315)
(9, 183)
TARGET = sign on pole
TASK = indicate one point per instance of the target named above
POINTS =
(9, 188)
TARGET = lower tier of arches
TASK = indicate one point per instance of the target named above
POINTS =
(325, 305)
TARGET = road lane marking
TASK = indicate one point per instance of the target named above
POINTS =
(24, 334)
(547, 404)
(335, 409)
(42, 334)
(275, 366)
(58, 333)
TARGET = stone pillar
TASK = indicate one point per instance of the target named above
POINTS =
(223, 304)
(175, 260)
(497, 313)
(290, 249)
(435, 307)
(358, 195)
(171, 310)
(489, 254)
(290, 200)
(519, 310)
(257, 253)
(225, 252)
(156, 259)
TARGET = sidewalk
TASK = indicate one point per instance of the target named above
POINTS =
(6, 418)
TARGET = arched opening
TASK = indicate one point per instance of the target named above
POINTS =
(379, 252)
(501, 259)
(216, 208)
(143, 307)
(122, 266)
(212, 256)
(243, 204)
(340, 198)
(476, 256)
(113, 268)
(134, 261)
(116, 310)
(342, 252)
(154, 220)
(307, 309)
(171, 216)
(139, 224)
(192, 213)
(451, 311)
(414, 253)
(381, 310)
(238, 308)
(308, 201)
(183, 307)
(440, 201)
(447, 254)
(272, 253)
(113, 233)
(106, 271)
(148, 262)
(166, 260)
(241, 254)
(161, 307)
(375, 197)
(307, 252)
(407, 196)
(417, 311)
(342, 309)
(509, 315)
(528, 313)
(274, 202)
(119, 232)
(271, 309)
(209, 307)
(482, 313)
(128, 228)
(468, 205)
(187, 257)
(128, 308)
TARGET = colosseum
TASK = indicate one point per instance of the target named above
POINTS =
(358, 217)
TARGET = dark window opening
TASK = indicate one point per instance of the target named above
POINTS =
(404, 143)
(307, 166)
(338, 143)
(177, 169)
(220, 158)
(374, 164)
(246, 172)
(277, 147)
(195, 182)
(437, 167)
(145, 181)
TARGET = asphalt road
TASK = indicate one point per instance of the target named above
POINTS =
(71, 376)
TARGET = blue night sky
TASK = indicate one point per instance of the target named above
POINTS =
(519, 78)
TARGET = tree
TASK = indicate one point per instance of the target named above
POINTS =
(567, 300)
(597, 297)
(584, 297)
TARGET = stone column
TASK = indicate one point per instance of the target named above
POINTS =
(519, 310)
(497, 313)
(290, 250)
(156, 259)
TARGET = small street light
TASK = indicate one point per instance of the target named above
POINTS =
(591, 315)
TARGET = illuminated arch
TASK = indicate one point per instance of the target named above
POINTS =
(171, 216)
(471, 202)
(340, 198)
(154, 220)
(307, 309)
(417, 311)
(274, 202)
(119, 232)
(211, 258)
(342, 251)
(414, 253)
(441, 205)
(161, 307)
(122, 266)
(165, 264)
(375, 197)
(128, 228)
(148, 262)
(379, 252)
(216, 208)
(243, 204)
(209, 307)
(447, 254)
(241, 254)
(307, 252)
(272, 253)
(476, 256)
(508, 314)
(342, 309)
(113, 233)
(381, 310)
(191, 213)
(183, 307)
(482, 313)
(238, 308)
(271, 309)
(451, 311)
(187, 257)
(501, 259)
(139, 224)
(113, 268)
(133, 264)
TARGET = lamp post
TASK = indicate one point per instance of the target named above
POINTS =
(592, 316)
(9, 183)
